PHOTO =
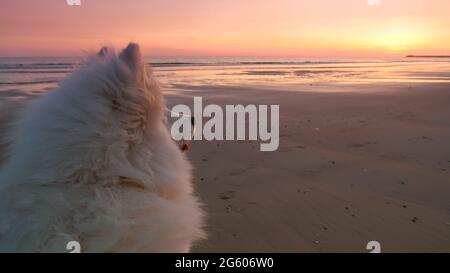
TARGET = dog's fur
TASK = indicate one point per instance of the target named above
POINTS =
(92, 161)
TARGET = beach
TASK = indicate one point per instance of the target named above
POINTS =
(364, 155)
(351, 168)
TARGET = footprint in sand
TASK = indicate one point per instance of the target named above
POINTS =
(419, 138)
(361, 145)
(237, 172)
(227, 195)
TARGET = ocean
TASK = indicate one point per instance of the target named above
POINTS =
(30, 76)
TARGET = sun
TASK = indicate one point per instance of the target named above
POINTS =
(397, 38)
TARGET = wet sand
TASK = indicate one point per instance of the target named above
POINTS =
(370, 162)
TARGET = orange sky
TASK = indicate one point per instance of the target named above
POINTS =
(227, 27)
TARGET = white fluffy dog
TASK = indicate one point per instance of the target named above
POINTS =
(93, 162)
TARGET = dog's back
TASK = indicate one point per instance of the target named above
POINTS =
(93, 162)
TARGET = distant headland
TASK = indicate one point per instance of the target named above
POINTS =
(428, 56)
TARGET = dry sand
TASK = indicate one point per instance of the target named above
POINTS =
(370, 162)
(352, 167)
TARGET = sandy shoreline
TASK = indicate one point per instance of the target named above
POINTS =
(352, 167)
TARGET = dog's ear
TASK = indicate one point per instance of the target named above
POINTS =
(132, 57)
(103, 51)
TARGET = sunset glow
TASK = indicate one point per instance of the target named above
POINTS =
(227, 28)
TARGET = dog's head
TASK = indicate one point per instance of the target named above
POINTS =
(124, 109)
(135, 97)
(104, 124)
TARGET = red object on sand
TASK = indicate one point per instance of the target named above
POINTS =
(185, 147)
